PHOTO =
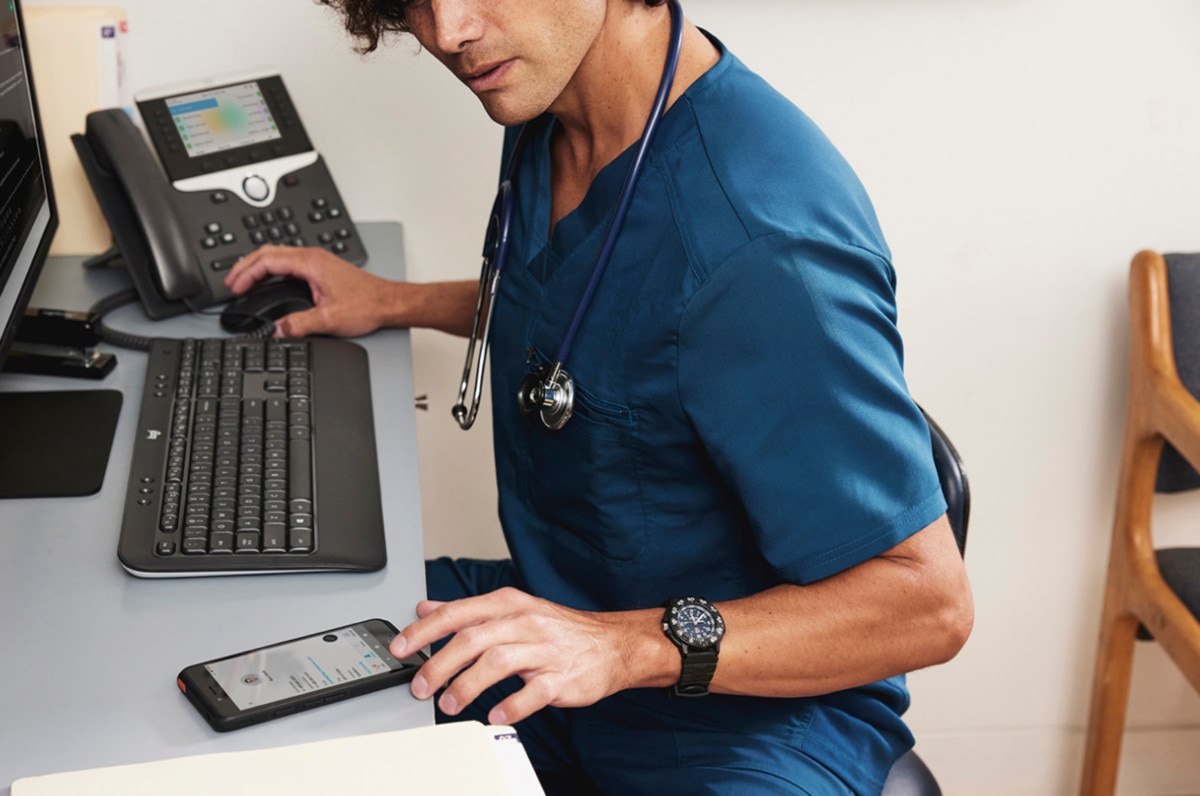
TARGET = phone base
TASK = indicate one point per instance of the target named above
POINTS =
(111, 258)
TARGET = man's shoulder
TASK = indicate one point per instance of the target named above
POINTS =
(745, 162)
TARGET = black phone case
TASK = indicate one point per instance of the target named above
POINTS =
(193, 689)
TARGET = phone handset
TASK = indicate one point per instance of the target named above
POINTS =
(138, 203)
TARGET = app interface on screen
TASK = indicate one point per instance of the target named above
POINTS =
(303, 666)
(223, 118)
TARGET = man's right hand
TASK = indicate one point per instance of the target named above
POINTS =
(348, 301)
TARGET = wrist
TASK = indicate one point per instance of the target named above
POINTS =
(394, 304)
(648, 657)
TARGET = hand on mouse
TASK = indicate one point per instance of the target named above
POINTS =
(349, 302)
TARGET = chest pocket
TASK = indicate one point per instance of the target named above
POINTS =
(585, 479)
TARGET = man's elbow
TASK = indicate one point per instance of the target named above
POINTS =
(953, 618)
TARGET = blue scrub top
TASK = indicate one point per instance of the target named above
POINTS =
(741, 418)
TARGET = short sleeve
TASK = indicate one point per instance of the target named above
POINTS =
(791, 371)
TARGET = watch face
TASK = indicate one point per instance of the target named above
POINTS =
(696, 623)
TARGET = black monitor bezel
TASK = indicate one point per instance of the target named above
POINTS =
(9, 331)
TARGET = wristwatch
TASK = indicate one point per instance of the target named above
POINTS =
(696, 627)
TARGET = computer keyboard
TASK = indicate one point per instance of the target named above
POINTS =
(253, 456)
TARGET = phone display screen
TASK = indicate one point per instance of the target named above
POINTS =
(303, 666)
(222, 118)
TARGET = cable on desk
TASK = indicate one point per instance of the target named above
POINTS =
(138, 342)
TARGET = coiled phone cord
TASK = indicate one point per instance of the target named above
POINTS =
(139, 342)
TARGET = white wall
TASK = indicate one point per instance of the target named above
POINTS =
(1018, 152)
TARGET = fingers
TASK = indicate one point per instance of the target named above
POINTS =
(299, 324)
(524, 703)
(563, 656)
(439, 620)
(480, 626)
(541, 686)
(349, 301)
(267, 261)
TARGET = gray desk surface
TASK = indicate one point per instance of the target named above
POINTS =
(89, 654)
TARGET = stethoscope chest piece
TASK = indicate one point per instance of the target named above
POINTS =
(551, 393)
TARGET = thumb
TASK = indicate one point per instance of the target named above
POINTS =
(298, 324)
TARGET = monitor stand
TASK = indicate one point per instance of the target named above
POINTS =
(56, 444)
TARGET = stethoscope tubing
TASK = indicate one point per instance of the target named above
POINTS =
(495, 254)
(627, 187)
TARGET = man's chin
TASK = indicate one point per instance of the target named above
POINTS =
(507, 114)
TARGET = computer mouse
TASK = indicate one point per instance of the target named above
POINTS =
(270, 301)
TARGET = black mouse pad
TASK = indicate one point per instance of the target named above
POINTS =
(56, 444)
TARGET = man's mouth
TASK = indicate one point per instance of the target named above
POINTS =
(488, 76)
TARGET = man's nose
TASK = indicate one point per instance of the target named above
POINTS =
(457, 23)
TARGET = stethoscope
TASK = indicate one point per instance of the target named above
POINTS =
(549, 389)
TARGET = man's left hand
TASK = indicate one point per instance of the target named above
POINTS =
(566, 658)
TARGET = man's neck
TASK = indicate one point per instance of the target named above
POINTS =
(603, 109)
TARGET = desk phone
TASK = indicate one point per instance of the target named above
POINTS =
(232, 168)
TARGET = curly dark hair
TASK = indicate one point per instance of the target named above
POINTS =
(370, 21)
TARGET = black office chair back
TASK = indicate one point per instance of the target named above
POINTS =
(953, 476)
(910, 776)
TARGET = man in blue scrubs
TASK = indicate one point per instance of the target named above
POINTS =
(743, 504)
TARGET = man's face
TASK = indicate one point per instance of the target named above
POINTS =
(516, 55)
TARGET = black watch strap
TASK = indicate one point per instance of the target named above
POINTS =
(698, 669)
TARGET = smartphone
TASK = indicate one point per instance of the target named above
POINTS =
(291, 676)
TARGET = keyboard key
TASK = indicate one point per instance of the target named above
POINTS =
(300, 541)
(220, 542)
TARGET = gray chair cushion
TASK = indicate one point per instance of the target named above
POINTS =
(1183, 283)
(1180, 567)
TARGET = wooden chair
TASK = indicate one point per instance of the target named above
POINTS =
(910, 776)
(1155, 590)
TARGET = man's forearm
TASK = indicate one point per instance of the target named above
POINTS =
(901, 611)
(446, 306)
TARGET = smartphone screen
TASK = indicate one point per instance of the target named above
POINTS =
(283, 678)
(302, 666)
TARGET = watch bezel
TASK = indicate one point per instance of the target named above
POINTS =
(672, 627)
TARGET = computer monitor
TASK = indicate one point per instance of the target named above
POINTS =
(28, 216)
(48, 440)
